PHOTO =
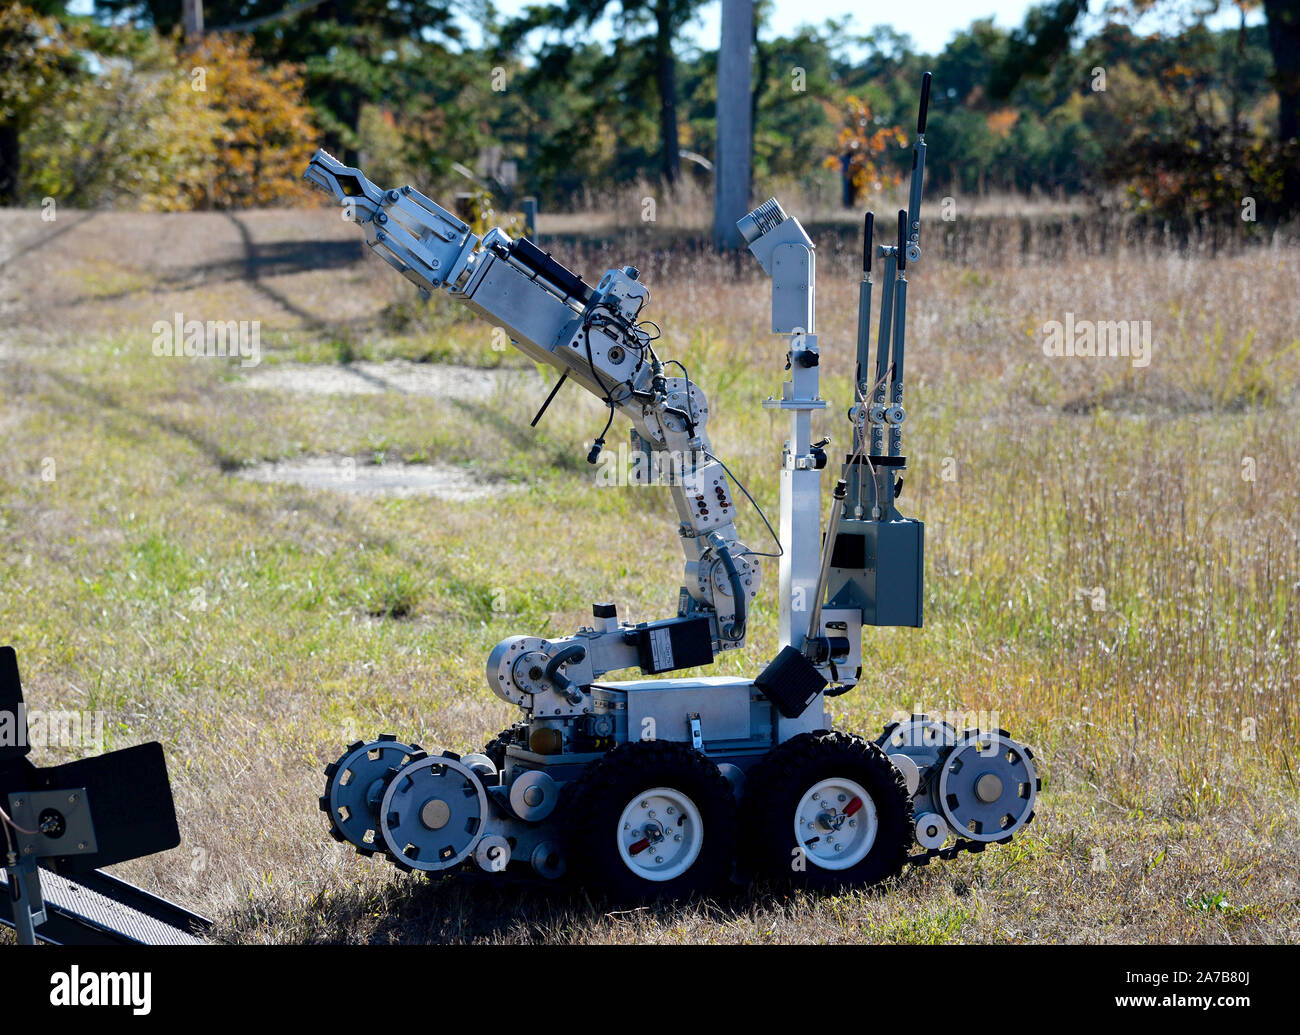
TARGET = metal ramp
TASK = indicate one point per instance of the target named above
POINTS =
(96, 908)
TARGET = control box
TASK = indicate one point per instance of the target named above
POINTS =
(877, 566)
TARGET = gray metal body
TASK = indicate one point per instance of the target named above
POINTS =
(868, 574)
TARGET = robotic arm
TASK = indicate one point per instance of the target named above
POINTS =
(591, 336)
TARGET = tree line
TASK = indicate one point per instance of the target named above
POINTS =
(576, 98)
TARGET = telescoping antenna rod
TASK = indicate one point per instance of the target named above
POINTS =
(876, 404)
(918, 176)
(862, 370)
(886, 407)
(894, 415)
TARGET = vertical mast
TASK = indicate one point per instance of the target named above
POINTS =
(786, 253)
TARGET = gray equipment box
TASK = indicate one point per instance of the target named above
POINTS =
(664, 708)
(877, 566)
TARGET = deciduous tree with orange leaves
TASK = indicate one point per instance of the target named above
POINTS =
(859, 145)
(267, 135)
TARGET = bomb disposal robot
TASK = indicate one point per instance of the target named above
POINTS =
(665, 786)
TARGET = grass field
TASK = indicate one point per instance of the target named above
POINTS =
(1113, 561)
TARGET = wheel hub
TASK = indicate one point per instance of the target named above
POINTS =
(433, 813)
(836, 823)
(660, 834)
(987, 786)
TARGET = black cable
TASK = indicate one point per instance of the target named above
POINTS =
(691, 422)
(574, 652)
(599, 444)
(740, 485)
(736, 630)
(643, 344)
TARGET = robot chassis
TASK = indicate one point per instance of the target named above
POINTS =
(661, 787)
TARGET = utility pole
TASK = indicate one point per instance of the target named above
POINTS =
(731, 164)
(192, 15)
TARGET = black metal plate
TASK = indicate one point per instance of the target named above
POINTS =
(130, 802)
(11, 696)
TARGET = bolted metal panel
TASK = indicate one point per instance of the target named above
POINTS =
(661, 709)
(878, 566)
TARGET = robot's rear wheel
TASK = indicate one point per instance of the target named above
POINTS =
(651, 819)
(354, 785)
(826, 810)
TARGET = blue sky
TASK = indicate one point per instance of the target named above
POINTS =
(930, 23)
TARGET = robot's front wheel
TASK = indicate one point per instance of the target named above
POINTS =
(651, 819)
(827, 810)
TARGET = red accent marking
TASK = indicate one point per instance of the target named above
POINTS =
(853, 806)
(639, 846)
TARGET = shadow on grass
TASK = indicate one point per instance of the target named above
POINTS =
(135, 421)
(473, 907)
(44, 238)
(301, 255)
(524, 439)
(271, 259)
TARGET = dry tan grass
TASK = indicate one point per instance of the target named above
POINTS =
(1161, 819)
(689, 206)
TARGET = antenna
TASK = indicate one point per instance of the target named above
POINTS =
(862, 371)
(895, 415)
(887, 408)
(918, 175)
